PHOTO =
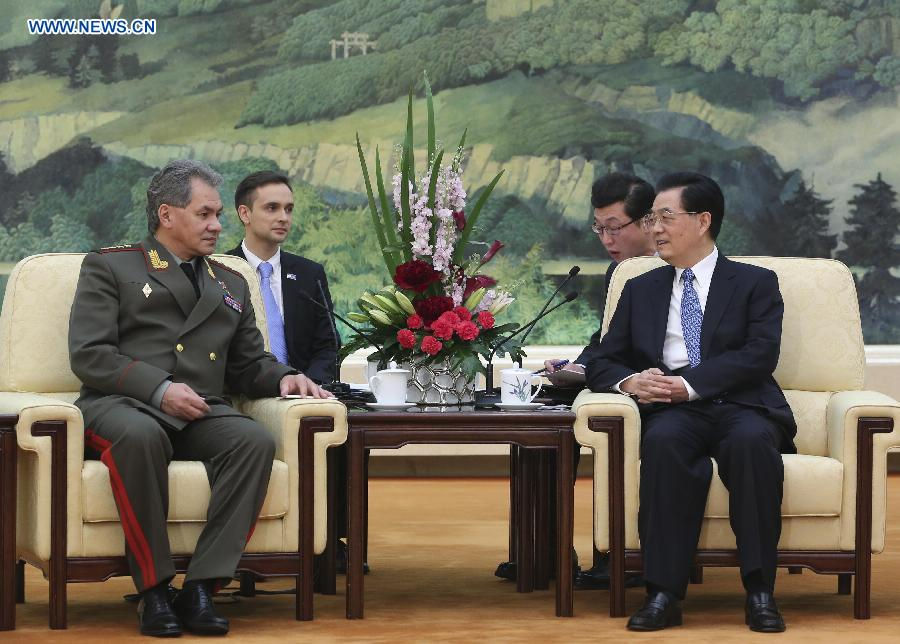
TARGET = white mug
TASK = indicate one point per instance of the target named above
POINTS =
(516, 384)
(389, 386)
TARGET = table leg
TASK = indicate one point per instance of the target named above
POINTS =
(565, 525)
(514, 456)
(356, 492)
(542, 520)
(525, 523)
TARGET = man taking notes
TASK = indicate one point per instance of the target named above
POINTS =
(696, 343)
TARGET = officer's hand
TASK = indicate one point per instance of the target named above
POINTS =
(650, 386)
(300, 384)
(183, 402)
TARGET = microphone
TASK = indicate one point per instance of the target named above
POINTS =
(345, 321)
(335, 386)
(489, 372)
(572, 273)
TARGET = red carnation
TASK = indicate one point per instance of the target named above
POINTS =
(450, 318)
(431, 346)
(459, 217)
(476, 282)
(415, 322)
(430, 308)
(442, 328)
(463, 313)
(406, 338)
(416, 275)
(467, 330)
(486, 320)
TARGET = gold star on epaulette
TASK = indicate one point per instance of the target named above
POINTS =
(156, 262)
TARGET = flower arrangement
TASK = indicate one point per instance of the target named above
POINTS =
(440, 307)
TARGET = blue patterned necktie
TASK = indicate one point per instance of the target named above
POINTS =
(273, 315)
(691, 317)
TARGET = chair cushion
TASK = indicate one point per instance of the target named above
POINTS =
(188, 492)
(812, 488)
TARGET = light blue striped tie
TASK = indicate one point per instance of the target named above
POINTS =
(691, 318)
(273, 315)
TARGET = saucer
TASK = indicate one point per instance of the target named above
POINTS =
(518, 406)
(390, 406)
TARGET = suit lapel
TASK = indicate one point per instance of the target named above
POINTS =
(211, 296)
(720, 292)
(289, 288)
(164, 269)
(660, 308)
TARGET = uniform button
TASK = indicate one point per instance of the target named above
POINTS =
(212, 356)
(179, 348)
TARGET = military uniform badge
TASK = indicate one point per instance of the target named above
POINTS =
(157, 263)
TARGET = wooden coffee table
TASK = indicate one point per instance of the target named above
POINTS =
(533, 433)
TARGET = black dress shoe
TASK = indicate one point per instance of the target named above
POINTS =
(762, 614)
(340, 560)
(155, 615)
(194, 606)
(507, 569)
(659, 611)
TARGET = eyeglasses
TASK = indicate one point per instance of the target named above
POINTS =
(610, 230)
(665, 216)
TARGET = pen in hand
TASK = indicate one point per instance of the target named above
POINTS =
(556, 365)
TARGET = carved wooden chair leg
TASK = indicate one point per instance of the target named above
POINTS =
(20, 582)
(845, 583)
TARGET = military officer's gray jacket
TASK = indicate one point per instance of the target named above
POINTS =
(136, 322)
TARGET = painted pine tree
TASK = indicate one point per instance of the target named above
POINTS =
(872, 245)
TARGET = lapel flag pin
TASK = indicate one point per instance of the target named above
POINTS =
(291, 276)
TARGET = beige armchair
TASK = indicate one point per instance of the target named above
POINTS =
(833, 507)
(66, 521)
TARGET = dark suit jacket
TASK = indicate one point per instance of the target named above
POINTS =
(594, 342)
(307, 328)
(739, 343)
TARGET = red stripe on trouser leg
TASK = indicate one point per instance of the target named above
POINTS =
(102, 445)
(250, 534)
(134, 535)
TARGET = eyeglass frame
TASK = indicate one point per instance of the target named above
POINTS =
(649, 220)
(612, 232)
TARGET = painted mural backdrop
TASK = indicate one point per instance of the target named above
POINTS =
(792, 105)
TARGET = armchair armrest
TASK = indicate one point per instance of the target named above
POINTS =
(284, 418)
(40, 418)
(610, 424)
(862, 427)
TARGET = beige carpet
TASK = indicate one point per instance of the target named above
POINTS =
(434, 546)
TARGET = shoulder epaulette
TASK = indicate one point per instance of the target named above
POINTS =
(117, 249)
(223, 266)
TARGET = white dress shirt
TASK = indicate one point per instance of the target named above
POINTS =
(274, 280)
(675, 354)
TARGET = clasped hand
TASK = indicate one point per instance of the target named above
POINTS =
(652, 386)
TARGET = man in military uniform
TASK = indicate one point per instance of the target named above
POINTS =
(159, 334)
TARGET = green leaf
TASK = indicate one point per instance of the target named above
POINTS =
(387, 213)
(429, 102)
(373, 209)
(407, 175)
(459, 251)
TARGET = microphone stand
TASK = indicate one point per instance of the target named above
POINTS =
(336, 387)
(489, 397)
(347, 322)
(572, 273)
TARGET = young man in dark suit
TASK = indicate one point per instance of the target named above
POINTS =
(696, 343)
(300, 333)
